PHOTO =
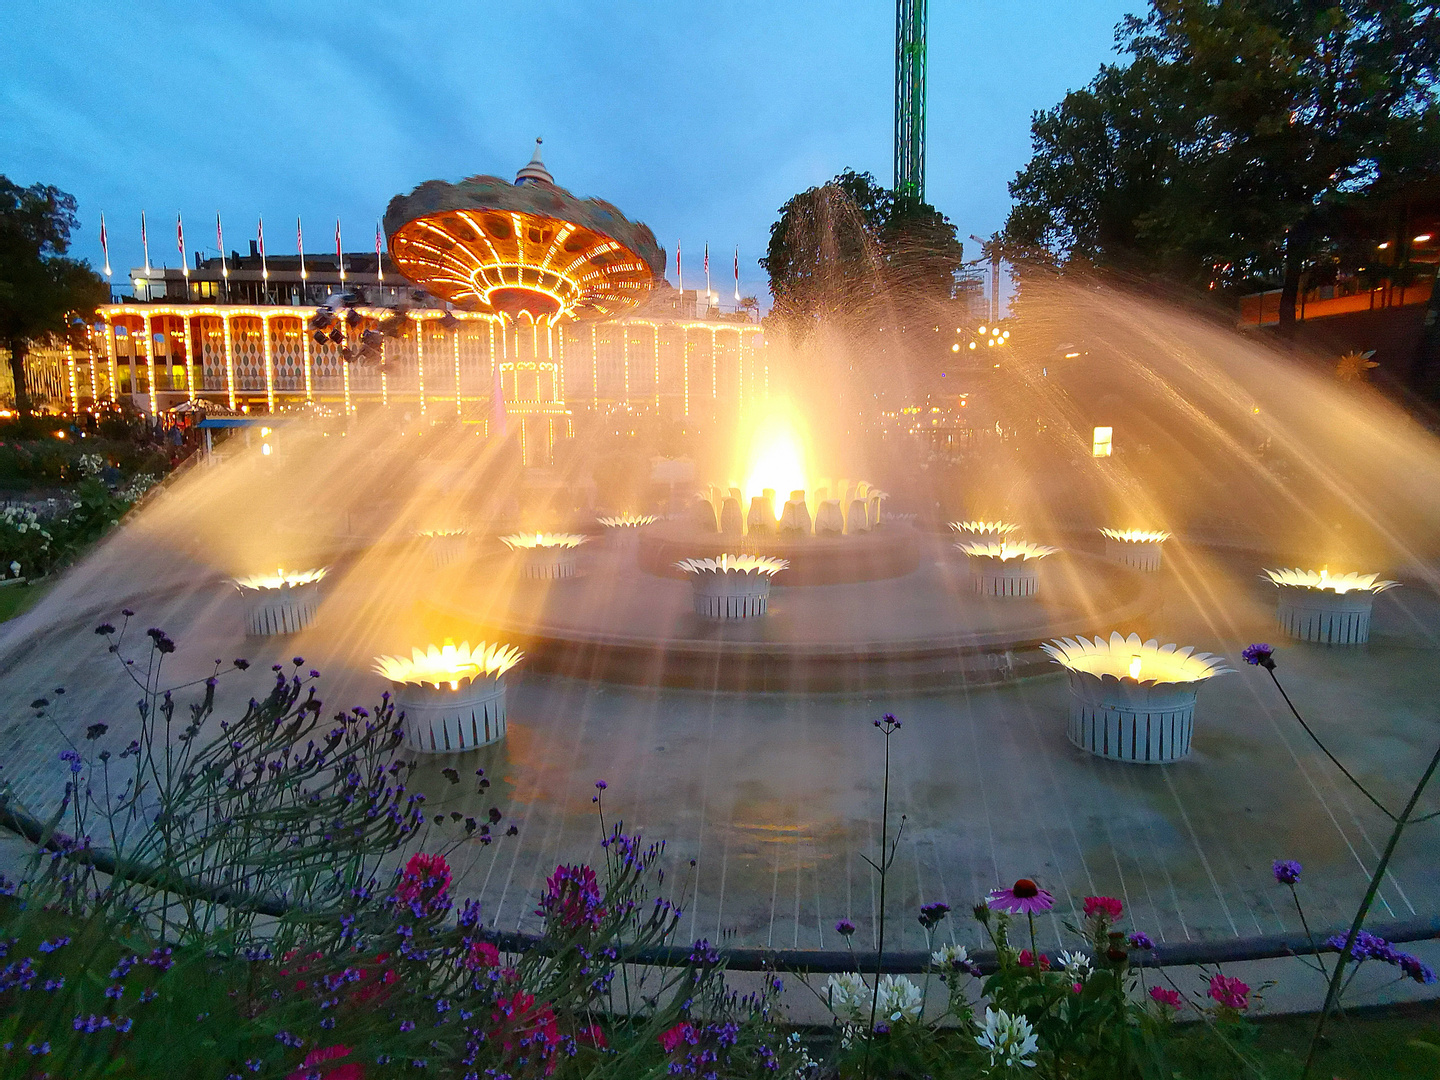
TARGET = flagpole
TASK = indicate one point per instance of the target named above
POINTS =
(224, 266)
(264, 266)
(105, 246)
(300, 246)
(180, 245)
(679, 269)
(737, 273)
(339, 256)
(379, 261)
(145, 243)
(707, 273)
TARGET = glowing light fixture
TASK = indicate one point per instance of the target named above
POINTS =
(623, 530)
(452, 697)
(1137, 548)
(445, 545)
(545, 555)
(1133, 700)
(284, 602)
(1102, 444)
(1005, 569)
(985, 529)
(732, 586)
(1330, 608)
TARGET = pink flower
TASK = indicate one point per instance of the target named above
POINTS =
(1024, 897)
(523, 1026)
(426, 880)
(1077, 987)
(1229, 992)
(572, 898)
(592, 1035)
(1107, 904)
(482, 955)
(683, 1032)
(350, 1071)
(1026, 960)
(1165, 997)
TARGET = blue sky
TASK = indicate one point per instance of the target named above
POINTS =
(698, 119)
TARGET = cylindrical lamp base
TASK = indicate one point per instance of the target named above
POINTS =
(445, 721)
(1330, 618)
(731, 596)
(286, 610)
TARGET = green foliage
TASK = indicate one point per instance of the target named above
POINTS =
(40, 289)
(1238, 144)
(40, 544)
(850, 248)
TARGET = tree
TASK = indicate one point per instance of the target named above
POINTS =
(40, 289)
(1234, 143)
(853, 252)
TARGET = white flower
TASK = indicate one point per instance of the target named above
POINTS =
(949, 956)
(849, 996)
(900, 999)
(1077, 964)
(1010, 1040)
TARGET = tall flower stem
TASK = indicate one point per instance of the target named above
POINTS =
(1332, 993)
(889, 725)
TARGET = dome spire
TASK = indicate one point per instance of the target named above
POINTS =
(535, 172)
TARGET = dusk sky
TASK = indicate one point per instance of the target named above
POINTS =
(698, 119)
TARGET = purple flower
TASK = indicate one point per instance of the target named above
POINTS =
(162, 641)
(241, 663)
(94, 731)
(1287, 871)
(1139, 940)
(1024, 897)
(572, 898)
(601, 784)
(73, 758)
(1416, 968)
(297, 660)
(845, 927)
(104, 629)
(127, 613)
(1260, 655)
(931, 914)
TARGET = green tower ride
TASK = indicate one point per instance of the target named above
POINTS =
(910, 98)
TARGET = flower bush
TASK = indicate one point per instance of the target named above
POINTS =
(269, 899)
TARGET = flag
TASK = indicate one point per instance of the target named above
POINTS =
(300, 246)
(339, 258)
(260, 231)
(145, 241)
(220, 243)
(679, 269)
(379, 265)
(707, 266)
(105, 245)
(180, 243)
(737, 273)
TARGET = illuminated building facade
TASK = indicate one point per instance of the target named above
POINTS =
(514, 307)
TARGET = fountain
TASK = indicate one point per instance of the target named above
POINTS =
(1005, 569)
(280, 603)
(453, 697)
(732, 586)
(1136, 548)
(1132, 700)
(545, 555)
(1330, 608)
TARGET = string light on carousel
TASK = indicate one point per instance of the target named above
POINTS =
(452, 697)
(1138, 549)
(284, 602)
(623, 530)
(445, 545)
(1330, 608)
(987, 531)
(545, 555)
(1133, 700)
(732, 586)
(1007, 568)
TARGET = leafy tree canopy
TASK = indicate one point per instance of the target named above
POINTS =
(853, 251)
(40, 288)
(1238, 143)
